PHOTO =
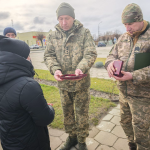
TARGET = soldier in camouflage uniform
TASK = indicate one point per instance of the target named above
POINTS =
(134, 86)
(71, 50)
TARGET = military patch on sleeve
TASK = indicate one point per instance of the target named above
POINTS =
(136, 50)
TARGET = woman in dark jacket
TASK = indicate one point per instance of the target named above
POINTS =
(24, 113)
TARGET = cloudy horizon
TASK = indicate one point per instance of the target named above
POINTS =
(36, 15)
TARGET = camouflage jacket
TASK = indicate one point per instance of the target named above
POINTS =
(125, 51)
(71, 51)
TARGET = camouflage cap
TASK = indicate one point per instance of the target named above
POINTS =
(132, 13)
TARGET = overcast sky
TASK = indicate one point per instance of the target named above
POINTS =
(35, 15)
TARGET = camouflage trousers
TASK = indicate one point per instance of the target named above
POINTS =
(135, 120)
(75, 109)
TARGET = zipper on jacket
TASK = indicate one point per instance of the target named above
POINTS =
(67, 38)
(131, 42)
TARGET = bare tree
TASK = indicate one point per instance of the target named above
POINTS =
(103, 38)
(107, 34)
(111, 37)
(40, 37)
(117, 34)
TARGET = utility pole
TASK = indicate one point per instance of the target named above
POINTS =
(99, 29)
(12, 22)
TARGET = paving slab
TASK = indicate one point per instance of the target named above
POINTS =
(0, 146)
(105, 126)
(118, 106)
(116, 120)
(104, 147)
(106, 138)
(73, 148)
(115, 112)
(121, 144)
(93, 132)
(118, 131)
(55, 132)
(64, 136)
(55, 142)
(108, 117)
(91, 144)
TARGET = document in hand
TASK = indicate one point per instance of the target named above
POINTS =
(141, 60)
(118, 67)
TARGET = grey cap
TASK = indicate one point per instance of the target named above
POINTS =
(65, 9)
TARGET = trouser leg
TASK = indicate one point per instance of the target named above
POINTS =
(82, 99)
(68, 112)
(126, 118)
(140, 108)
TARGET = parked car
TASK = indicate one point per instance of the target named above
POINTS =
(101, 45)
(34, 46)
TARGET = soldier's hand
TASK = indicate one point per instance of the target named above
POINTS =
(57, 75)
(78, 72)
(126, 76)
(111, 69)
(50, 104)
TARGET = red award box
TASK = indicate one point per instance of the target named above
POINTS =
(118, 67)
(72, 76)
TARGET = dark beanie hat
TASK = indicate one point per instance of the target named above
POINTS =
(9, 30)
(14, 46)
(65, 9)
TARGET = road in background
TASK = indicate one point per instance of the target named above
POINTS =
(102, 52)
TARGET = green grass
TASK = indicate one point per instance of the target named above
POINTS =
(98, 106)
(44, 74)
(103, 85)
(51, 94)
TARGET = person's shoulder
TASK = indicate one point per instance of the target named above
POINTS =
(123, 37)
(31, 81)
(84, 31)
(52, 34)
(56, 34)
(31, 86)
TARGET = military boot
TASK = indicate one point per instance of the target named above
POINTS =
(70, 142)
(82, 146)
(132, 146)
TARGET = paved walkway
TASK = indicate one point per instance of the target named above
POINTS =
(108, 135)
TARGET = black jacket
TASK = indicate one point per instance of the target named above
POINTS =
(24, 113)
